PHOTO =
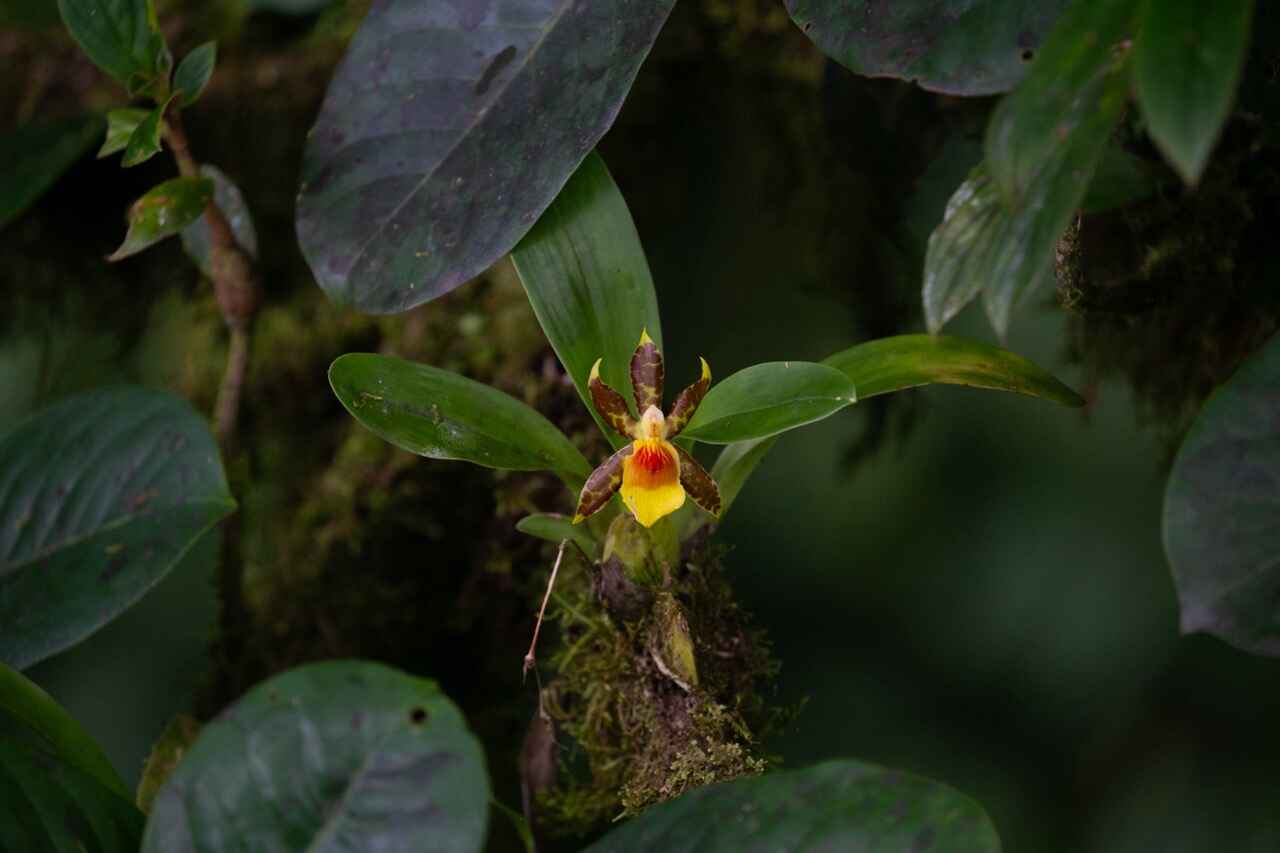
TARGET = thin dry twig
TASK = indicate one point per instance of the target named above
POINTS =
(530, 660)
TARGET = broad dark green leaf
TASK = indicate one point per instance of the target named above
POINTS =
(336, 756)
(906, 361)
(29, 715)
(118, 35)
(435, 413)
(33, 157)
(557, 528)
(1187, 63)
(144, 142)
(1221, 507)
(121, 124)
(47, 804)
(195, 237)
(769, 398)
(961, 47)
(163, 212)
(587, 279)
(839, 805)
(100, 496)
(194, 72)
(449, 128)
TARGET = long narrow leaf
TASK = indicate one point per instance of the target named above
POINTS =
(587, 279)
(441, 415)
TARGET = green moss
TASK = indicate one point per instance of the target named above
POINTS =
(640, 729)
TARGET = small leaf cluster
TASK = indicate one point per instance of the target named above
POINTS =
(124, 39)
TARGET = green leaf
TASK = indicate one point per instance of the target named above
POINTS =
(1221, 506)
(153, 84)
(194, 72)
(1056, 109)
(906, 361)
(195, 237)
(144, 142)
(35, 156)
(100, 496)
(30, 715)
(980, 247)
(557, 528)
(334, 756)
(1188, 58)
(961, 47)
(1042, 146)
(441, 415)
(893, 364)
(587, 279)
(58, 791)
(769, 398)
(121, 124)
(449, 128)
(47, 804)
(163, 212)
(838, 805)
(970, 242)
(118, 35)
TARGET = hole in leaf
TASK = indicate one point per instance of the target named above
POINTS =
(418, 716)
(1028, 54)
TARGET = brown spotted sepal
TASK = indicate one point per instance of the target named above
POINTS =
(697, 483)
(687, 403)
(610, 404)
(602, 484)
(647, 373)
(654, 475)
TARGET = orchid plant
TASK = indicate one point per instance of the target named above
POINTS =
(589, 285)
(636, 513)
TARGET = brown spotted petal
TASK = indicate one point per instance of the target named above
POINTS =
(602, 483)
(687, 403)
(646, 374)
(698, 483)
(609, 403)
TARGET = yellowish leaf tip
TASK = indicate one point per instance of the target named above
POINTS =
(706, 369)
(595, 371)
(644, 337)
(578, 519)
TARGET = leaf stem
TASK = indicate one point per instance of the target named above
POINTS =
(235, 287)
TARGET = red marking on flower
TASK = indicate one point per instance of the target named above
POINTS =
(652, 459)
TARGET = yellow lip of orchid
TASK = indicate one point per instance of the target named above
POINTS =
(653, 475)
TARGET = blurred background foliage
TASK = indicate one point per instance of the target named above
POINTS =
(964, 585)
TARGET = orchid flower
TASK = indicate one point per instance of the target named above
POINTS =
(653, 474)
